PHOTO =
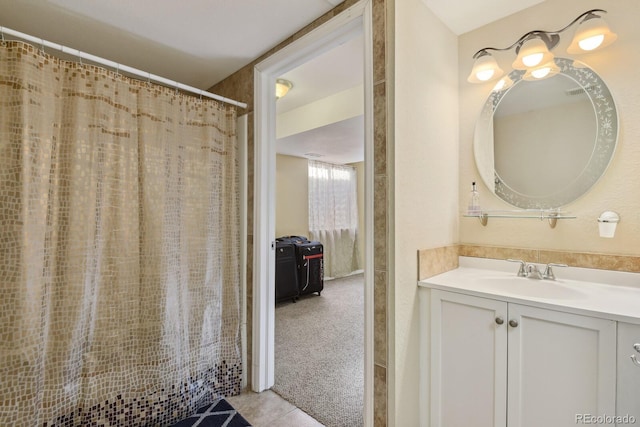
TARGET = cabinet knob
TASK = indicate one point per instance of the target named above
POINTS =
(499, 320)
(634, 359)
(513, 323)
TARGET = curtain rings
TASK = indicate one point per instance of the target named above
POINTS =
(2, 40)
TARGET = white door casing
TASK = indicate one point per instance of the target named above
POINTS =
(355, 20)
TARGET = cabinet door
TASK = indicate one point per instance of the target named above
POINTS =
(628, 372)
(468, 361)
(561, 366)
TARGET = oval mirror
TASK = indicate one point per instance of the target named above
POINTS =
(542, 144)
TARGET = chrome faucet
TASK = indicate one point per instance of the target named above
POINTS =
(548, 272)
(532, 272)
(522, 272)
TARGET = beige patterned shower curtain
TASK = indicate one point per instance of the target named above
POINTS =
(119, 247)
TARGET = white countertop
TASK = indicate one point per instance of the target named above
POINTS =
(599, 293)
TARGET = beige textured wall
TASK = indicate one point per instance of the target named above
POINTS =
(619, 189)
(425, 187)
(292, 196)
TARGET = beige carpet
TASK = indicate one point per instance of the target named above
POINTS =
(319, 352)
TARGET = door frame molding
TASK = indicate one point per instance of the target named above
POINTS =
(356, 19)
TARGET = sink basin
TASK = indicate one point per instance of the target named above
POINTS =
(520, 286)
(612, 296)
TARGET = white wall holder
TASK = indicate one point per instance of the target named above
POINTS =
(607, 222)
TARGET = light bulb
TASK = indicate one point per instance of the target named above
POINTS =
(532, 60)
(541, 73)
(591, 43)
(544, 71)
(484, 75)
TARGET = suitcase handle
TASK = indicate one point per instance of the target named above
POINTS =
(308, 266)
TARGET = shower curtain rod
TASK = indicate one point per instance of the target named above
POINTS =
(119, 67)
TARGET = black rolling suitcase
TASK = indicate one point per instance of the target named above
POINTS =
(286, 271)
(310, 263)
(310, 267)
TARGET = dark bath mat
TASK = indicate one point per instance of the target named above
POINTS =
(218, 414)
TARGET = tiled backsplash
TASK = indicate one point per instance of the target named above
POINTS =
(438, 260)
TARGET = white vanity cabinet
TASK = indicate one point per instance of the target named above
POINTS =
(628, 403)
(498, 364)
(468, 361)
(561, 367)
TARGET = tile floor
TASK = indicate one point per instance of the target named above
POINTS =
(268, 409)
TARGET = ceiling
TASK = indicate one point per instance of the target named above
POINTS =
(200, 42)
(462, 16)
(197, 42)
(336, 70)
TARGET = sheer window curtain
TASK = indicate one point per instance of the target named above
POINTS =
(333, 216)
(119, 247)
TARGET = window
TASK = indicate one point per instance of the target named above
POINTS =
(333, 215)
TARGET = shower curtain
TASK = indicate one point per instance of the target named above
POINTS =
(119, 247)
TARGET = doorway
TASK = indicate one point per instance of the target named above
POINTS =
(319, 342)
(336, 31)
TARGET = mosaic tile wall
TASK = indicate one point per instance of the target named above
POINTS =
(119, 247)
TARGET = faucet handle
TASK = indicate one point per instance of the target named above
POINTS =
(522, 272)
(548, 272)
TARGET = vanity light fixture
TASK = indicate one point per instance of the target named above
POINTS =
(282, 87)
(485, 68)
(534, 51)
(592, 33)
(534, 48)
